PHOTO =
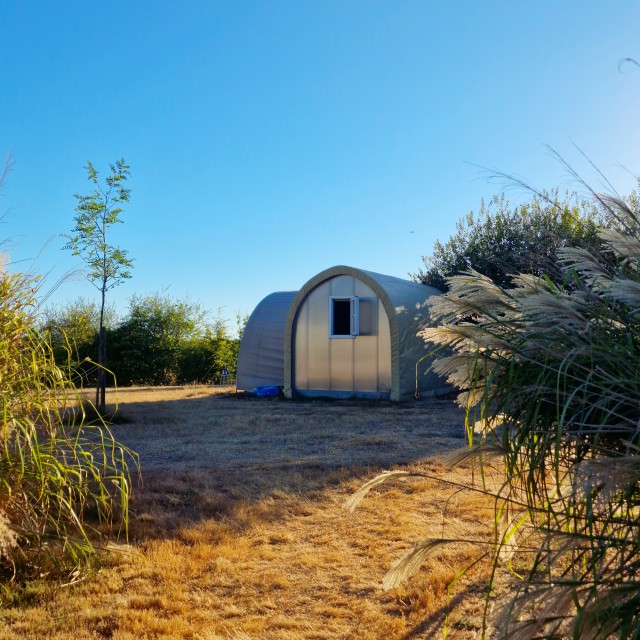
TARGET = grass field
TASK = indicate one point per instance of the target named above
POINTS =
(238, 529)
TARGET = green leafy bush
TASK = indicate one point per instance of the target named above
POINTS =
(168, 341)
(500, 241)
(202, 359)
(73, 330)
(161, 340)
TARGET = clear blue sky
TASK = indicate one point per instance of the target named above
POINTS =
(269, 140)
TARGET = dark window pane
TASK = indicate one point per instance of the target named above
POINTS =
(341, 318)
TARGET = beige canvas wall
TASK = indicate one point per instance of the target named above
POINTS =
(351, 364)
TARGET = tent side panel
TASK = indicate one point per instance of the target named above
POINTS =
(261, 355)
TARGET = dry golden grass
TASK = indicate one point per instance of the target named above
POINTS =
(239, 532)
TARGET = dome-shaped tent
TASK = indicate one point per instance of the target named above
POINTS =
(346, 333)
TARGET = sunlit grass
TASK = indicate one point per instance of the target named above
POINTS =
(240, 549)
(62, 483)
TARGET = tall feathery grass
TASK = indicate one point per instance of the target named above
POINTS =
(62, 480)
(550, 377)
(553, 379)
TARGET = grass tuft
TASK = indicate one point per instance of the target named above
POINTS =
(61, 480)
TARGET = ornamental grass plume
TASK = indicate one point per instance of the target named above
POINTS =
(561, 366)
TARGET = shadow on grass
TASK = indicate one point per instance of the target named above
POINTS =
(89, 414)
(432, 626)
(201, 457)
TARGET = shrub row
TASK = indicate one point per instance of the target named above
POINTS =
(161, 341)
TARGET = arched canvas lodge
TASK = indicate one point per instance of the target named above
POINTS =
(346, 333)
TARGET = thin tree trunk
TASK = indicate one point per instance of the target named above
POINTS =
(98, 381)
(101, 388)
(102, 375)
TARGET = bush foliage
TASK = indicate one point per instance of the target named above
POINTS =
(73, 331)
(501, 241)
(160, 341)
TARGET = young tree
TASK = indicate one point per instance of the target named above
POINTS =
(108, 265)
(57, 472)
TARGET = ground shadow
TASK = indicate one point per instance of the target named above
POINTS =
(199, 457)
(433, 625)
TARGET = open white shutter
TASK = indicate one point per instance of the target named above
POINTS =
(355, 316)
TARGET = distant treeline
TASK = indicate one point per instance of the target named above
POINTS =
(160, 341)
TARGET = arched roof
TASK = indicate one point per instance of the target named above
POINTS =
(405, 304)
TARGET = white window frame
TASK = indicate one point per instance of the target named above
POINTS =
(354, 316)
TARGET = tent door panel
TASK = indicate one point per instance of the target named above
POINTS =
(365, 363)
(346, 364)
(341, 364)
(318, 367)
(341, 286)
(301, 348)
